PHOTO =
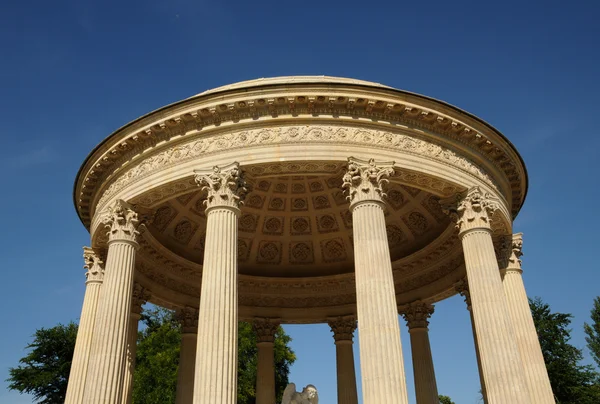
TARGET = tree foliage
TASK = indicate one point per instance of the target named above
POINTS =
(592, 332)
(44, 371)
(445, 400)
(572, 382)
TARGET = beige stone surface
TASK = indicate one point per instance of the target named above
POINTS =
(138, 298)
(416, 315)
(187, 356)
(382, 366)
(106, 369)
(265, 330)
(81, 355)
(343, 329)
(536, 374)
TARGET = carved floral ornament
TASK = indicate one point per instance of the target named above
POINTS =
(512, 250)
(122, 222)
(365, 178)
(417, 314)
(188, 317)
(94, 266)
(342, 327)
(291, 135)
(471, 210)
(139, 297)
(226, 186)
(265, 328)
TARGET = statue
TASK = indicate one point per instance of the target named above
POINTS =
(308, 395)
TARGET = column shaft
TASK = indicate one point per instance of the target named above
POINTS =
(265, 373)
(216, 357)
(104, 383)
(481, 380)
(382, 364)
(185, 373)
(346, 374)
(83, 345)
(130, 358)
(500, 360)
(425, 383)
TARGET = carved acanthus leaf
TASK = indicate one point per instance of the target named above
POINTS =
(471, 210)
(462, 287)
(342, 327)
(365, 179)
(188, 317)
(122, 221)
(139, 297)
(93, 264)
(417, 314)
(265, 328)
(226, 185)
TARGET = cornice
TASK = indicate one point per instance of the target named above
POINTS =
(294, 100)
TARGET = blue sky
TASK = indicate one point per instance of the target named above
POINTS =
(73, 71)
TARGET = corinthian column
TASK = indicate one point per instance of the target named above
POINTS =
(265, 330)
(536, 374)
(139, 297)
(416, 315)
(501, 365)
(382, 367)
(187, 355)
(104, 382)
(215, 379)
(462, 288)
(343, 330)
(81, 356)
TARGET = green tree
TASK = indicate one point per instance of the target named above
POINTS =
(593, 332)
(44, 371)
(446, 400)
(572, 382)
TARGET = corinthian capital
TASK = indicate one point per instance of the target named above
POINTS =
(513, 250)
(471, 210)
(188, 317)
(342, 327)
(94, 266)
(417, 314)
(122, 222)
(265, 329)
(139, 297)
(462, 287)
(225, 185)
(365, 179)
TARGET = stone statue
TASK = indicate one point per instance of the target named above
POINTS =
(308, 395)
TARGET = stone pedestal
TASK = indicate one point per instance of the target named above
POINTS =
(536, 374)
(139, 297)
(81, 356)
(501, 365)
(416, 315)
(187, 356)
(106, 372)
(265, 330)
(383, 378)
(462, 287)
(343, 330)
(215, 380)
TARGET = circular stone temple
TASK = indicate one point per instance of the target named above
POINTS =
(307, 199)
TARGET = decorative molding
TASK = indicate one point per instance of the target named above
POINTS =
(417, 314)
(342, 327)
(122, 221)
(462, 287)
(290, 134)
(94, 266)
(225, 185)
(139, 297)
(364, 180)
(265, 329)
(512, 250)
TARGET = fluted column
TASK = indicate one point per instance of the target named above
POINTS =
(382, 367)
(462, 287)
(139, 297)
(343, 330)
(501, 365)
(187, 355)
(215, 380)
(536, 374)
(416, 315)
(104, 382)
(81, 356)
(265, 329)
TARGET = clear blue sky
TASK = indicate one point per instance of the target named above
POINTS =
(73, 71)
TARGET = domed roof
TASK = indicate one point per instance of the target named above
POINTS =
(290, 80)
